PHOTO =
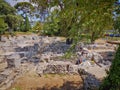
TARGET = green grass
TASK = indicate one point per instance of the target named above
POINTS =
(22, 33)
(46, 75)
(53, 75)
(17, 33)
(16, 88)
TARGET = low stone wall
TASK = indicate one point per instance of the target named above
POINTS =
(56, 67)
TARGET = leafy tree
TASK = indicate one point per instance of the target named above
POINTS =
(117, 24)
(3, 27)
(13, 21)
(38, 27)
(51, 27)
(8, 13)
(22, 26)
(41, 8)
(112, 81)
(27, 25)
(78, 17)
(24, 9)
(97, 18)
(93, 17)
(5, 8)
(117, 17)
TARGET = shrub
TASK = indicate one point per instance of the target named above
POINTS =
(112, 81)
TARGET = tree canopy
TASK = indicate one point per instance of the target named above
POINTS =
(26, 8)
(74, 18)
(3, 27)
(117, 17)
(5, 8)
(8, 13)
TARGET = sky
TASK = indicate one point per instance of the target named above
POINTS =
(13, 2)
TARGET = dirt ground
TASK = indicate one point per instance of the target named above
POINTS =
(32, 81)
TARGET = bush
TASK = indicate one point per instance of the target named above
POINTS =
(3, 27)
(37, 28)
(112, 81)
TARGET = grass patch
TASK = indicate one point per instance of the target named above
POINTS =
(17, 33)
(53, 75)
(61, 74)
(46, 75)
(16, 88)
(22, 33)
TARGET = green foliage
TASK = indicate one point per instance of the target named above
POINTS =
(16, 88)
(112, 81)
(117, 25)
(13, 21)
(8, 13)
(5, 8)
(3, 26)
(51, 27)
(22, 5)
(26, 8)
(42, 8)
(76, 17)
(42, 4)
(27, 24)
(22, 26)
(117, 18)
(37, 28)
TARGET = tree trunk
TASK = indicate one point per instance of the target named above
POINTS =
(0, 37)
(92, 37)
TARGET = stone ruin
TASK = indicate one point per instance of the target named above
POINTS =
(19, 54)
(56, 67)
(23, 53)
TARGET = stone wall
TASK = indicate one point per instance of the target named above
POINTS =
(27, 46)
(56, 67)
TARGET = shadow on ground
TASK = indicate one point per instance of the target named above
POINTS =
(69, 85)
(90, 82)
